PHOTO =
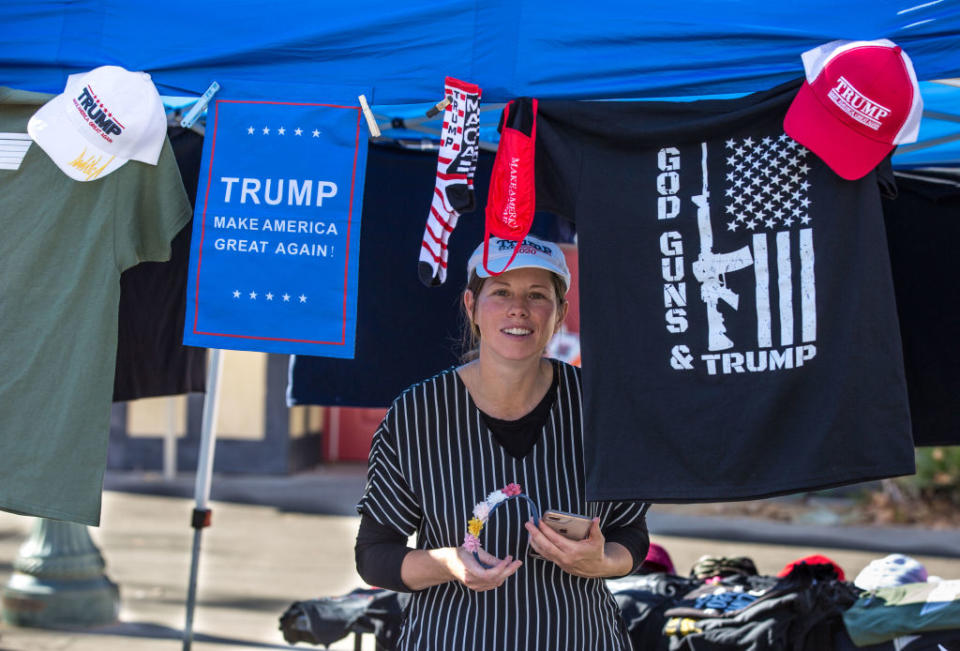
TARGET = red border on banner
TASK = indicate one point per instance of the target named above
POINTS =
(203, 225)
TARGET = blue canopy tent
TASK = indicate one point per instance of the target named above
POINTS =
(540, 48)
(529, 47)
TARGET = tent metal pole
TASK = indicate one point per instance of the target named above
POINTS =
(416, 124)
(923, 144)
(201, 514)
(940, 115)
(170, 441)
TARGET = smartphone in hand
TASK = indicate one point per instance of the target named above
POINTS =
(568, 525)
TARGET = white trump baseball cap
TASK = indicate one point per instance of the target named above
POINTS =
(103, 118)
(508, 255)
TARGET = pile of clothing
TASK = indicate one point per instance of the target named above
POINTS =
(724, 604)
(892, 605)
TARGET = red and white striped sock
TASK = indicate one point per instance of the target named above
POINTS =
(456, 165)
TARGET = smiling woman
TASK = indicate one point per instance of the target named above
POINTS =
(507, 417)
(527, 293)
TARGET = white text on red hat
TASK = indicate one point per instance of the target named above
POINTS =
(857, 105)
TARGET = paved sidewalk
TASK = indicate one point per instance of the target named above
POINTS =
(334, 491)
(255, 560)
(278, 540)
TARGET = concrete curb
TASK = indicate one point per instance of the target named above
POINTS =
(904, 540)
(336, 489)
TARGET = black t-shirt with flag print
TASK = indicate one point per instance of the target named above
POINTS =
(738, 325)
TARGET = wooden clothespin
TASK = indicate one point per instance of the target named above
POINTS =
(439, 106)
(368, 114)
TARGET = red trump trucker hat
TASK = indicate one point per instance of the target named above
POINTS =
(860, 99)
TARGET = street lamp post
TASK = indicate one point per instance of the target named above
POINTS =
(58, 580)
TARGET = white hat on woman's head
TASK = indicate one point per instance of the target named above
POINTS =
(530, 252)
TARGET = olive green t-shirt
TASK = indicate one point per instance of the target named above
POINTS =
(63, 245)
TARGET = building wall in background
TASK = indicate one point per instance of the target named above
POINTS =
(256, 432)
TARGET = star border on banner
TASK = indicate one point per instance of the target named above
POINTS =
(280, 131)
(252, 295)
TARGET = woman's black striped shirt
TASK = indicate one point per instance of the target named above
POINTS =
(431, 461)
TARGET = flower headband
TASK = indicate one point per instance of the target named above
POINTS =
(483, 510)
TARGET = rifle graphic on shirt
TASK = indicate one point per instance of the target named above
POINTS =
(710, 269)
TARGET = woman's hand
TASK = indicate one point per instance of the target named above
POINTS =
(423, 568)
(589, 558)
(465, 569)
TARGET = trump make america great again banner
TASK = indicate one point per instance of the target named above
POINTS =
(738, 326)
(276, 231)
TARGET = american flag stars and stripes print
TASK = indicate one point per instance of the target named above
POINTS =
(13, 149)
(766, 184)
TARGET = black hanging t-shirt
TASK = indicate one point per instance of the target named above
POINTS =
(923, 227)
(738, 326)
(151, 358)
